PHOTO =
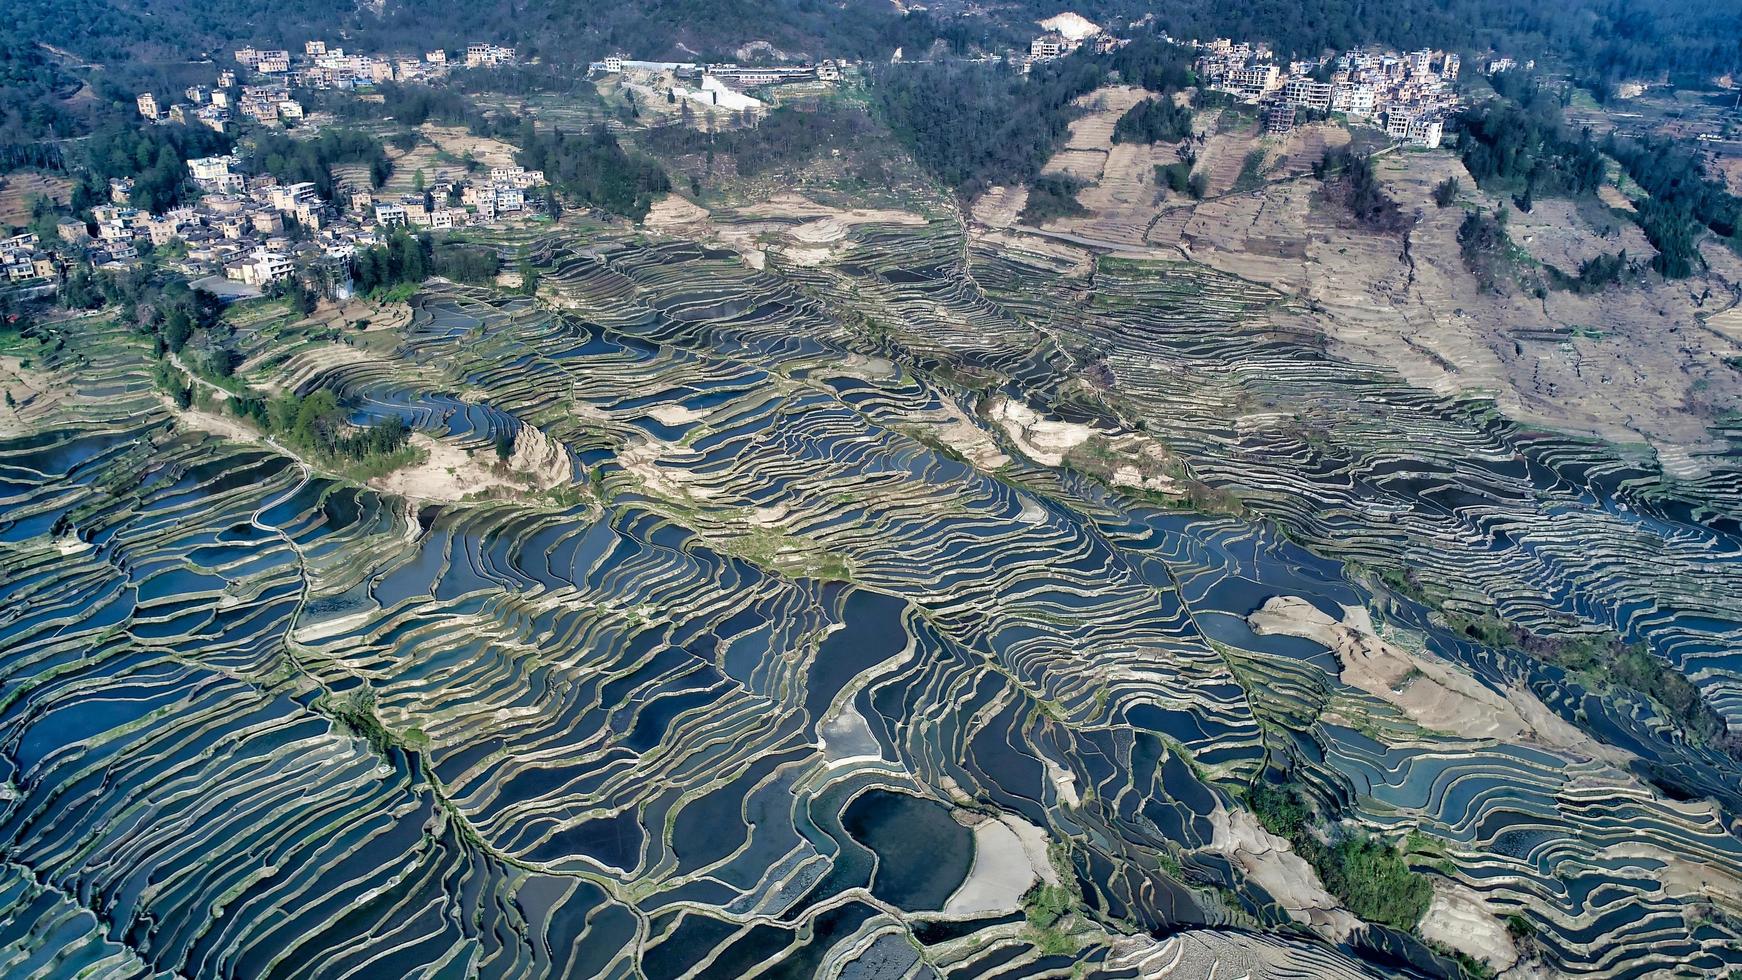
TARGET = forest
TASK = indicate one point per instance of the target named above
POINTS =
(1684, 203)
(318, 423)
(1349, 177)
(1153, 121)
(976, 126)
(294, 160)
(31, 89)
(154, 156)
(406, 260)
(787, 138)
(1517, 142)
(595, 169)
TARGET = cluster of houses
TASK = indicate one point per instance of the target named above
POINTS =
(256, 230)
(714, 86)
(1064, 35)
(1408, 94)
(320, 66)
(24, 260)
(209, 107)
(484, 55)
(276, 73)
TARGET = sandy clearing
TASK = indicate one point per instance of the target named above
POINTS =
(449, 474)
(1271, 862)
(71, 545)
(1129, 475)
(1046, 441)
(846, 738)
(674, 215)
(1064, 782)
(1428, 691)
(20, 187)
(316, 632)
(34, 393)
(457, 141)
(1629, 364)
(1460, 918)
(1009, 857)
(1431, 692)
(674, 415)
(970, 441)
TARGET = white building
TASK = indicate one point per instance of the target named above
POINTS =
(488, 56)
(717, 94)
(116, 224)
(1355, 100)
(1308, 94)
(1425, 131)
(1254, 82)
(210, 168)
(264, 266)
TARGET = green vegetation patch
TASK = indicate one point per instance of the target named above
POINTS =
(1251, 175)
(1350, 179)
(1369, 876)
(1053, 196)
(1153, 121)
(595, 169)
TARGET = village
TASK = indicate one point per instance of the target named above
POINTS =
(246, 232)
(1408, 95)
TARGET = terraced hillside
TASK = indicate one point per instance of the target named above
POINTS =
(893, 604)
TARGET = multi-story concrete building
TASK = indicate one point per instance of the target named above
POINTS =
(1279, 119)
(1307, 94)
(1253, 82)
(488, 56)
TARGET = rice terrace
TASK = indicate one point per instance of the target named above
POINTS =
(775, 547)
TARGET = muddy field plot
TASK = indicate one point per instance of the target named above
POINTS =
(456, 142)
(1628, 363)
(19, 188)
(1564, 234)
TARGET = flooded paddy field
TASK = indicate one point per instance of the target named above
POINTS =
(872, 604)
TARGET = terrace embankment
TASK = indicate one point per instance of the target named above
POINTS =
(1632, 364)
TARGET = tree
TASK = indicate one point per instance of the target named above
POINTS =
(302, 299)
(417, 183)
(595, 168)
(1153, 121)
(1446, 192)
(504, 447)
(80, 292)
